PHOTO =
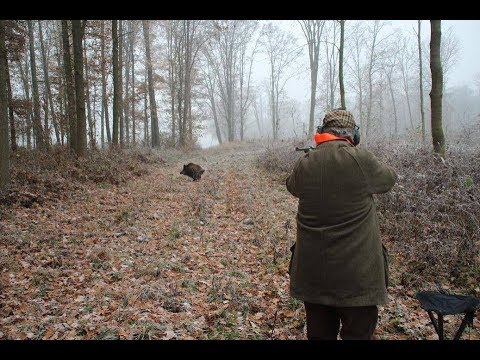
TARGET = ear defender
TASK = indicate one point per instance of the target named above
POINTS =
(356, 135)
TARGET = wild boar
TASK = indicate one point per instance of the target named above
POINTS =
(193, 170)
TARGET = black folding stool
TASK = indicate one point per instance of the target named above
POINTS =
(448, 304)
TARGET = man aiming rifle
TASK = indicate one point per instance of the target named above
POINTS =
(339, 266)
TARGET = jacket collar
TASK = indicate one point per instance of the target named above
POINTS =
(324, 137)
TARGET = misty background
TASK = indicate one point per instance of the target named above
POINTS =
(462, 80)
(216, 81)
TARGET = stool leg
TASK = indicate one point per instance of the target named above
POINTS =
(434, 321)
(466, 319)
(440, 326)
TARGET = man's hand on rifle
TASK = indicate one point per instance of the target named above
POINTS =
(305, 150)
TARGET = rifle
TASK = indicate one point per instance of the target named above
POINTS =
(305, 150)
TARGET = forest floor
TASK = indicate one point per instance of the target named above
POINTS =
(163, 257)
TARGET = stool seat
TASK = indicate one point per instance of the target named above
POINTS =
(448, 304)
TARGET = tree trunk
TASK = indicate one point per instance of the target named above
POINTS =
(215, 119)
(46, 128)
(61, 91)
(437, 84)
(13, 136)
(62, 109)
(126, 101)
(102, 123)
(91, 132)
(94, 120)
(132, 56)
(370, 78)
(121, 124)
(48, 89)
(180, 95)
(67, 65)
(26, 89)
(116, 85)
(407, 92)
(312, 29)
(104, 84)
(272, 100)
(145, 114)
(37, 125)
(4, 147)
(187, 120)
(77, 33)
(422, 113)
(151, 91)
(394, 104)
(340, 64)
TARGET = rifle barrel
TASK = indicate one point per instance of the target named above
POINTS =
(307, 149)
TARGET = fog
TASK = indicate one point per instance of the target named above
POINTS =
(462, 80)
(234, 80)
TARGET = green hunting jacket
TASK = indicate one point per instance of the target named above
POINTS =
(338, 258)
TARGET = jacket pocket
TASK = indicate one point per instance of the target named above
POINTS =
(292, 249)
(385, 264)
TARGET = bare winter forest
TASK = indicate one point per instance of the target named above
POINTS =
(101, 237)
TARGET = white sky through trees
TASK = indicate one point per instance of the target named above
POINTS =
(463, 73)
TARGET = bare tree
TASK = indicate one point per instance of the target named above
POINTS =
(23, 70)
(14, 42)
(173, 48)
(281, 50)
(46, 78)
(132, 60)
(145, 111)
(189, 40)
(357, 67)
(116, 85)
(312, 29)
(245, 70)
(13, 136)
(37, 126)
(437, 87)
(331, 52)
(390, 64)
(406, 57)
(78, 27)
(120, 109)
(224, 60)
(450, 53)
(69, 82)
(88, 85)
(210, 83)
(126, 101)
(60, 82)
(376, 40)
(151, 90)
(104, 85)
(422, 113)
(258, 112)
(4, 146)
(340, 63)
